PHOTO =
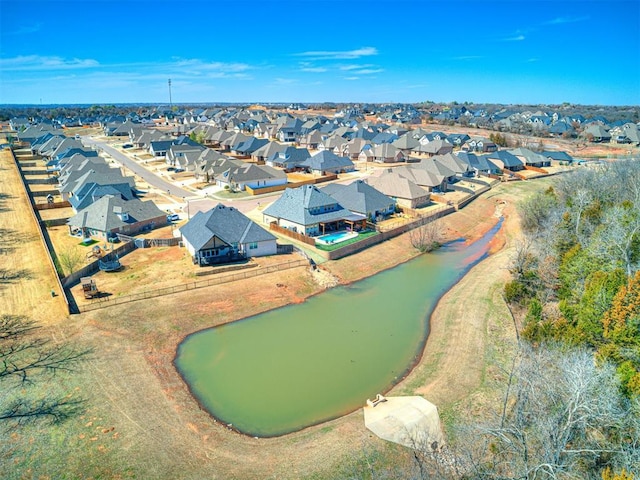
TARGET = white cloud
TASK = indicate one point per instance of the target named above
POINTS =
(352, 78)
(26, 29)
(516, 38)
(468, 57)
(339, 55)
(37, 62)
(563, 20)
(355, 67)
(368, 71)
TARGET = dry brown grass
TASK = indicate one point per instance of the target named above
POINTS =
(135, 392)
(23, 255)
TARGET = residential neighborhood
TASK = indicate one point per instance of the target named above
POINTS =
(309, 172)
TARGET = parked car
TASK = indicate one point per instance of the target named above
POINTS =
(174, 217)
(127, 145)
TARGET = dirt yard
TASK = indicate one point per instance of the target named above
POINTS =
(155, 429)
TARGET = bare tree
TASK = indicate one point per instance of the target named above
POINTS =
(70, 259)
(427, 237)
(618, 238)
(565, 418)
(26, 360)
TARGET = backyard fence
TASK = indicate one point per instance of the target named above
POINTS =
(55, 222)
(291, 234)
(93, 267)
(217, 280)
(44, 237)
(49, 206)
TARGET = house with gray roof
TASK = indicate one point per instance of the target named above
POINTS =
(180, 156)
(211, 163)
(112, 214)
(237, 178)
(383, 153)
(425, 175)
(597, 133)
(505, 160)
(360, 197)
(310, 211)
(479, 164)
(326, 162)
(289, 158)
(246, 148)
(266, 151)
(224, 234)
(531, 158)
(401, 189)
(558, 156)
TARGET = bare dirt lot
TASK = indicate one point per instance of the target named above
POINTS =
(155, 429)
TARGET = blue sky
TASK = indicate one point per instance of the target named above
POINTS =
(518, 51)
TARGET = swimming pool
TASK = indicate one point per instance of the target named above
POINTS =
(335, 237)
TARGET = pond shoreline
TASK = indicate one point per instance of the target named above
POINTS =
(491, 229)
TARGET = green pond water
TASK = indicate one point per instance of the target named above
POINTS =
(303, 364)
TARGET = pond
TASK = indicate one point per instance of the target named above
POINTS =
(304, 364)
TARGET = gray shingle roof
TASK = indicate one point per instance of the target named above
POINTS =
(297, 205)
(326, 160)
(359, 197)
(226, 223)
(393, 184)
(102, 215)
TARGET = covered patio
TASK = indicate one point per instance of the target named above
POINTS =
(354, 222)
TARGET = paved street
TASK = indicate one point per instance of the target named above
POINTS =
(148, 176)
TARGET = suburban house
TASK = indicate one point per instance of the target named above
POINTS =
(360, 197)
(425, 175)
(558, 156)
(225, 234)
(245, 149)
(312, 140)
(480, 164)
(596, 133)
(435, 147)
(237, 178)
(401, 189)
(479, 144)
(112, 214)
(382, 153)
(289, 158)
(505, 160)
(211, 163)
(310, 211)
(326, 162)
(266, 151)
(531, 158)
(406, 144)
(354, 147)
(180, 156)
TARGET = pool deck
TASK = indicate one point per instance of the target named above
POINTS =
(409, 421)
(347, 236)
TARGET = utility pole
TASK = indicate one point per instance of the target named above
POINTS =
(170, 102)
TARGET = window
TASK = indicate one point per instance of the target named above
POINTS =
(253, 245)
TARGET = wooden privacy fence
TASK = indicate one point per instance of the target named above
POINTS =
(291, 234)
(44, 237)
(49, 206)
(277, 188)
(216, 280)
(91, 268)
